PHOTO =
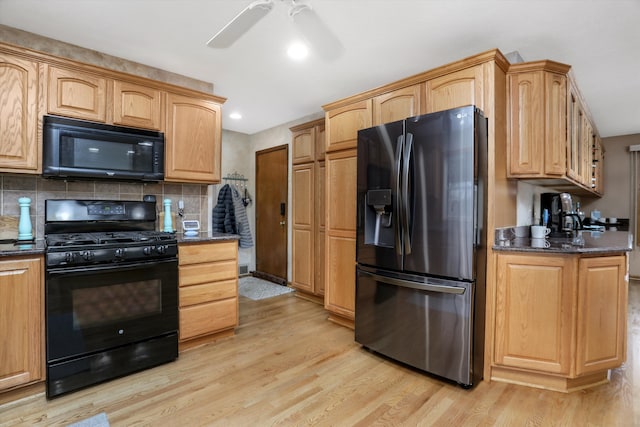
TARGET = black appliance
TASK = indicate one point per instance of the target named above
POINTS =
(563, 220)
(81, 149)
(111, 292)
(420, 226)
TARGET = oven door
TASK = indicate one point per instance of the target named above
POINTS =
(89, 309)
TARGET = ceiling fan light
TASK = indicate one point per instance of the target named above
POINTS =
(239, 25)
(297, 51)
(317, 34)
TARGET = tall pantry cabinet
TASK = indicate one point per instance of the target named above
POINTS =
(308, 225)
(479, 80)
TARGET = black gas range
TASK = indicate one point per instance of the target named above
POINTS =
(111, 292)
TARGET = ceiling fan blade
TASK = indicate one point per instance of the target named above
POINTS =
(319, 36)
(239, 25)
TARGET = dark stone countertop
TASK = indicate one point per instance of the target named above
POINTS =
(23, 248)
(596, 243)
(206, 236)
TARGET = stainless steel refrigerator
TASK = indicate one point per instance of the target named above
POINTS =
(420, 227)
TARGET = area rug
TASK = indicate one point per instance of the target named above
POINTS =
(257, 289)
(99, 420)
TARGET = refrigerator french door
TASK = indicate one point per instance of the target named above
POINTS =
(420, 272)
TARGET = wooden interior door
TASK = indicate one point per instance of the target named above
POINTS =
(271, 213)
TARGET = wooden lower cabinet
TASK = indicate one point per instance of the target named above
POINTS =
(21, 322)
(560, 320)
(208, 276)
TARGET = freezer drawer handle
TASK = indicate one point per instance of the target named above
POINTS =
(418, 286)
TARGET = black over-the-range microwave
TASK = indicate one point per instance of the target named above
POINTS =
(81, 149)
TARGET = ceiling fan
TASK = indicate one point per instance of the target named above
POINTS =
(317, 34)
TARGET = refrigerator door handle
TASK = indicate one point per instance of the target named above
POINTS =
(406, 217)
(414, 285)
(398, 202)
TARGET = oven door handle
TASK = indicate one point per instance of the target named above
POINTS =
(134, 265)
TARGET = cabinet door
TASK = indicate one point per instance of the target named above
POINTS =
(192, 138)
(318, 282)
(302, 239)
(340, 232)
(555, 128)
(19, 147)
(455, 89)
(137, 106)
(534, 309)
(586, 144)
(574, 161)
(525, 130)
(202, 319)
(602, 314)
(77, 94)
(303, 146)
(320, 142)
(397, 105)
(21, 311)
(343, 124)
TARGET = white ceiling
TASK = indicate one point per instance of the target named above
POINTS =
(384, 40)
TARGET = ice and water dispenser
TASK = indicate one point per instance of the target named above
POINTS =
(378, 219)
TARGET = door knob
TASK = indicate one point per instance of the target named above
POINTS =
(283, 223)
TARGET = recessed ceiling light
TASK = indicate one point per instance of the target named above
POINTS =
(297, 51)
(235, 115)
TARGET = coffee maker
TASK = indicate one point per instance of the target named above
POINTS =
(563, 219)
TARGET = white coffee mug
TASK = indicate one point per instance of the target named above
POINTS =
(539, 231)
(613, 220)
(540, 243)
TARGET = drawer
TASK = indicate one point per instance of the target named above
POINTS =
(205, 273)
(209, 252)
(198, 294)
(208, 318)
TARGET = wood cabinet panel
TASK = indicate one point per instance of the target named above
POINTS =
(202, 319)
(525, 115)
(302, 184)
(19, 144)
(208, 252)
(303, 259)
(320, 141)
(456, 89)
(136, 105)
(534, 300)
(555, 128)
(319, 257)
(602, 314)
(398, 104)
(340, 291)
(21, 321)
(198, 294)
(343, 124)
(341, 175)
(193, 140)
(303, 146)
(76, 94)
(202, 273)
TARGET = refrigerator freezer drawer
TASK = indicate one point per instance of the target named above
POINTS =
(429, 327)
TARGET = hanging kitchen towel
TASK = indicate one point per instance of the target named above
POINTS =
(223, 215)
(242, 222)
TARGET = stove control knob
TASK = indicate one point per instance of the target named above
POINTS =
(68, 257)
(161, 249)
(147, 250)
(119, 253)
(87, 255)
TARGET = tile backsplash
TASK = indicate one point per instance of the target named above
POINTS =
(39, 189)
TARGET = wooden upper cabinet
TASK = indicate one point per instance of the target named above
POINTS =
(397, 105)
(602, 314)
(537, 123)
(136, 105)
(303, 146)
(343, 124)
(192, 140)
(321, 147)
(77, 94)
(456, 89)
(19, 146)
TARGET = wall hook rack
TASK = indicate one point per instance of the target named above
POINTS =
(240, 184)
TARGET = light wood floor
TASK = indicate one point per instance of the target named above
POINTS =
(287, 365)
